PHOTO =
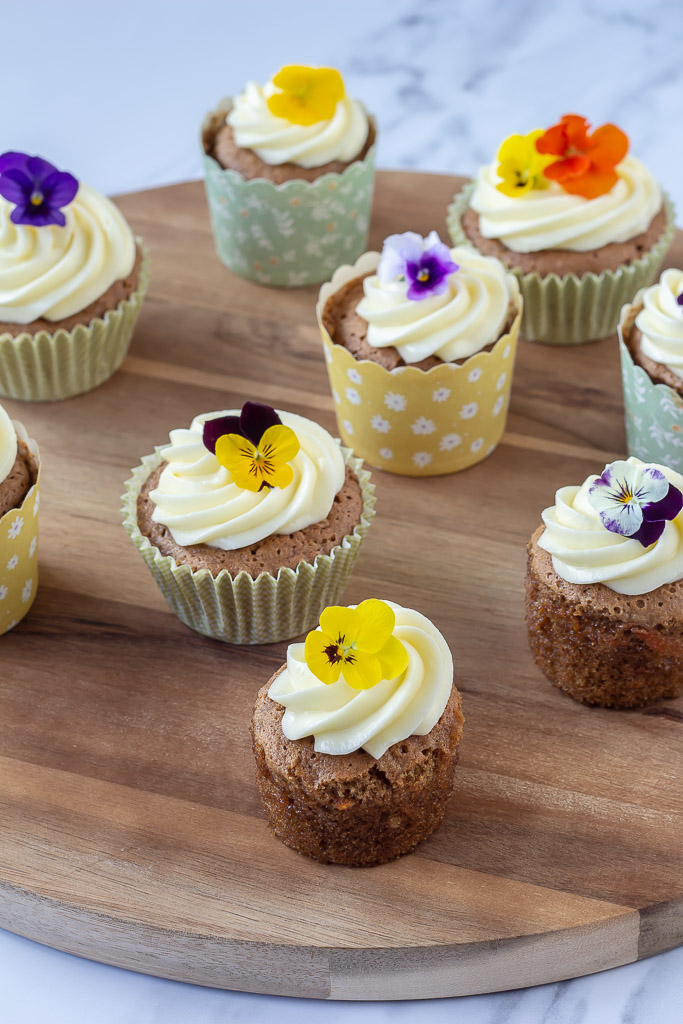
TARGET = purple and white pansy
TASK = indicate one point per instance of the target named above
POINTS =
(635, 500)
(425, 264)
(36, 188)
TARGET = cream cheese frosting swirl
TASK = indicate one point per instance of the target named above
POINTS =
(342, 719)
(52, 272)
(276, 141)
(660, 321)
(469, 315)
(199, 503)
(551, 218)
(584, 551)
(8, 444)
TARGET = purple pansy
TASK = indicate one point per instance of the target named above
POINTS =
(679, 299)
(635, 500)
(424, 263)
(252, 423)
(36, 188)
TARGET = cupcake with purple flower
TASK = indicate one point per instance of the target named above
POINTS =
(72, 281)
(604, 587)
(420, 343)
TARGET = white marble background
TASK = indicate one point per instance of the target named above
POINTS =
(115, 91)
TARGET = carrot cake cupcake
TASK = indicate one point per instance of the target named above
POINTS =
(604, 587)
(19, 478)
(356, 737)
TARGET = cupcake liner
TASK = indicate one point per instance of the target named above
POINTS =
(240, 609)
(654, 412)
(19, 550)
(49, 367)
(416, 422)
(571, 310)
(292, 234)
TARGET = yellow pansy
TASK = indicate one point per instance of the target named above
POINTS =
(520, 165)
(357, 642)
(264, 465)
(308, 95)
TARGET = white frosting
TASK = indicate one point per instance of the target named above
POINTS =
(8, 444)
(198, 502)
(661, 321)
(276, 141)
(584, 551)
(465, 318)
(551, 218)
(342, 719)
(53, 272)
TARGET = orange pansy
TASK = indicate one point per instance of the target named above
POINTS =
(587, 162)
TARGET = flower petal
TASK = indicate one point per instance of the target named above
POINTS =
(649, 533)
(279, 444)
(651, 484)
(255, 419)
(213, 429)
(13, 161)
(15, 186)
(362, 670)
(278, 475)
(396, 252)
(608, 146)
(377, 621)
(39, 169)
(341, 623)
(238, 455)
(60, 188)
(393, 658)
(319, 656)
(667, 507)
(590, 185)
(571, 167)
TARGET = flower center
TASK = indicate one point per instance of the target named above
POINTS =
(341, 651)
(423, 275)
(36, 198)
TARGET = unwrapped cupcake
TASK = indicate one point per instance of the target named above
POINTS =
(250, 522)
(604, 587)
(72, 281)
(581, 222)
(289, 173)
(19, 499)
(651, 343)
(420, 346)
(356, 737)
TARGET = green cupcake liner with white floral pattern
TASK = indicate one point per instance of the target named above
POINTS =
(51, 366)
(571, 310)
(292, 234)
(240, 609)
(654, 412)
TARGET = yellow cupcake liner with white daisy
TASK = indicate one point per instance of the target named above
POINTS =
(416, 422)
(19, 550)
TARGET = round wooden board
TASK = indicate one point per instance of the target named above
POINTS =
(131, 828)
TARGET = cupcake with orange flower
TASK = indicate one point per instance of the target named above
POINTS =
(580, 221)
(250, 522)
(289, 172)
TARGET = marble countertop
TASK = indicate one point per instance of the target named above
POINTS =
(448, 80)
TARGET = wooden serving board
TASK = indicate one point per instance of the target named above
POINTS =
(130, 826)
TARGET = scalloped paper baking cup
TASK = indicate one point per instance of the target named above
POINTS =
(240, 609)
(416, 422)
(571, 310)
(49, 367)
(292, 234)
(653, 412)
(19, 550)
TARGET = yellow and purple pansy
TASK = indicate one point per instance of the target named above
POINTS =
(36, 188)
(306, 95)
(255, 447)
(424, 264)
(357, 643)
(635, 500)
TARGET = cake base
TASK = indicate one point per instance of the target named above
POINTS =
(19, 480)
(658, 373)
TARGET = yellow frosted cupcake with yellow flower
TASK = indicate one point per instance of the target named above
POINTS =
(289, 170)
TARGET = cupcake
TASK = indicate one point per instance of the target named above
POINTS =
(420, 346)
(581, 222)
(72, 281)
(19, 482)
(651, 344)
(289, 172)
(250, 522)
(604, 587)
(356, 737)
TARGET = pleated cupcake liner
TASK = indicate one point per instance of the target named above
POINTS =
(567, 309)
(240, 609)
(51, 366)
(292, 234)
(415, 422)
(653, 412)
(19, 550)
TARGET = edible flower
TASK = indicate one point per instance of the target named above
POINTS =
(358, 642)
(679, 299)
(425, 263)
(308, 95)
(586, 164)
(520, 165)
(635, 500)
(255, 447)
(37, 189)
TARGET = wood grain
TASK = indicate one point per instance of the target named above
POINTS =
(131, 829)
